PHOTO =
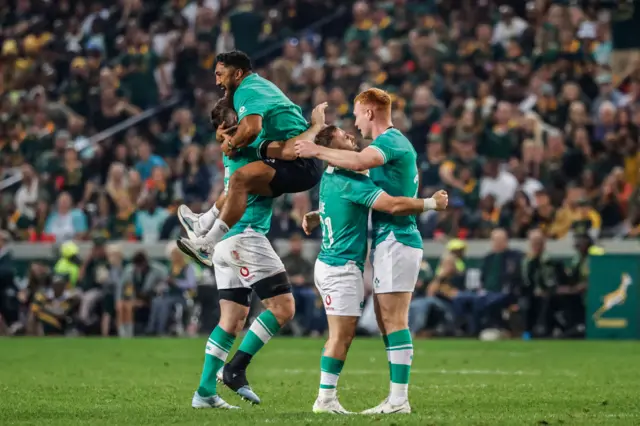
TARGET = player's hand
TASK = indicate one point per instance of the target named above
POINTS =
(226, 148)
(317, 115)
(221, 131)
(306, 149)
(310, 221)
(442, 199)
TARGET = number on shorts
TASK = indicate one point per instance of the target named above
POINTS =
(327, 231)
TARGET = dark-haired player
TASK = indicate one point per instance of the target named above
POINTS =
(265, 115)
(245, 262)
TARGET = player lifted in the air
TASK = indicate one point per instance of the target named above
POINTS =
(265, 114)
(397, 245)
(245, 261)
(345, 199)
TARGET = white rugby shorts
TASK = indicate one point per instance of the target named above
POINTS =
(395, 267)
(341, 288)
(245, 259)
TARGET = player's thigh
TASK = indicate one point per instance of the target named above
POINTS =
(255, 263)
(395, 267)
(294, 176)
(255, 178)
(235, 298)
(341, 289)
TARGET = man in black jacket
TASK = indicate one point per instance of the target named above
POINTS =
(501, 279)
(540, 277)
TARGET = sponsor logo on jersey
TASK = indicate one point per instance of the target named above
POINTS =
(242, 110)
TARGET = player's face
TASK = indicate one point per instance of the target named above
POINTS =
(363, 119)
(343, 140)
(226, 78)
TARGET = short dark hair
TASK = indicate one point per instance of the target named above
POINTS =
(223, 114)
(325, 136)
(236, 59)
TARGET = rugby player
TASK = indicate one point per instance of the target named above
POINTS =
(345, 199)
(245, 261)
(262, 110)
(396, 251)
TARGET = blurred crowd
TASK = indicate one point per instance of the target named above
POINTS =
(507, 292)
(527, 112)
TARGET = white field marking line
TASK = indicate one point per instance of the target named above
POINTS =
(421, 371)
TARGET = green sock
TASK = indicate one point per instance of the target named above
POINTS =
(330, 369)
(263, 328)
(385, 339)
(400, 353)
(215, 354)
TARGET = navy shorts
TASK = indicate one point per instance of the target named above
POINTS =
(299, 175)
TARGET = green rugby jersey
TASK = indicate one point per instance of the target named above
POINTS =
(345, 200)
(281, 118)
(259, 210)
(398, 177)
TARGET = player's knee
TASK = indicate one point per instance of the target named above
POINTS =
(239, 180)
(393, 320)
(284, 311)
(234, 308)
(275, 293)
(343, 338)
(232, 324)
(283, 307)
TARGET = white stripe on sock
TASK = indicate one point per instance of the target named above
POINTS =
(260, 330)
(329, 379)
(216, 351)
(402, 356)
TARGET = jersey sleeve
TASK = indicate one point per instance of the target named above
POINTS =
(248, 102)
(385, 146)
(361, 190)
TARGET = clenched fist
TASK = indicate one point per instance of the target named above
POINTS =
(442, 199)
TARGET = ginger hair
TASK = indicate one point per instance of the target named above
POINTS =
(376, 98)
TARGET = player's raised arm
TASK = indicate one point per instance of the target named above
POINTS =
(404, 206)
(366, 159)
(286, 150)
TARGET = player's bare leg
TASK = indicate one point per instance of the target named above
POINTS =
(254, 178)
(233, 316)
(280, 310)
(342, 330)
(392, 314)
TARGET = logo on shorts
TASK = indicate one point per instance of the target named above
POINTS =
(244, 272)
(376, 283)
(327, 300)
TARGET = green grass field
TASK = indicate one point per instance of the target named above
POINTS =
(150, 381)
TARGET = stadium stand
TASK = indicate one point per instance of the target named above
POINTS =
(526, 112)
